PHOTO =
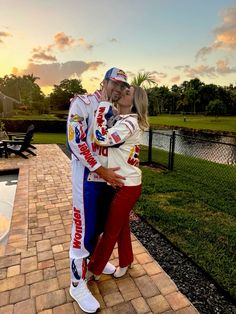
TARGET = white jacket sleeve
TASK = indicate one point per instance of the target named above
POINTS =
(77, 134)
(115, 135)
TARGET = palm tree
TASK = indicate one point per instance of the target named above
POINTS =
(141, 78)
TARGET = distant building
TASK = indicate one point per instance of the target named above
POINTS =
(7, 105)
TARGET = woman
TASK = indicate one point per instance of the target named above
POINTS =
(122, 141)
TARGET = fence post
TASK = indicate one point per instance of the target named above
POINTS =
(150, 146)
(171, 151)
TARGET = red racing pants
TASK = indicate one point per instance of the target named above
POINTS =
(116, 230)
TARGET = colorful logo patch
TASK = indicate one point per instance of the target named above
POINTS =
(76, 118)
(116, 137)
(71, 133)
(133, 156)
(121, 73)
(99, 136)
(74, 270)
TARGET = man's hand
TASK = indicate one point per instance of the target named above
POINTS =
(110, 175)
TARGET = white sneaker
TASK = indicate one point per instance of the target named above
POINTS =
(121, 271)
(84, 297)
(109, 269)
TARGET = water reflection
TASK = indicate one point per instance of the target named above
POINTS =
(212, 147)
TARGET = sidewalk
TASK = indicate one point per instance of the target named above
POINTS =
(34, 266)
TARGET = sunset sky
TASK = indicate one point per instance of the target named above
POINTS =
(175, 40)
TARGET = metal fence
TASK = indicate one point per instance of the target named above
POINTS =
(175, 150)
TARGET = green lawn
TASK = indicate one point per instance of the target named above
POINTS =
(50, 138)
(196, 122)
(194, 207)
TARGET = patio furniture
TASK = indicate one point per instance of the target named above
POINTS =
(20, 136)
(2, 149)
(19, 146)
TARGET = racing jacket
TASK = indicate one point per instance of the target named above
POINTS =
(123, 140)
(80, 138)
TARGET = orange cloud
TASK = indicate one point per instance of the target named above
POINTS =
(222, 67)
(40, 55)
(225, 35)
(54, 73)
(83, 43)
(4, 34)
(63, 41)
(175, 79)
(202, 70)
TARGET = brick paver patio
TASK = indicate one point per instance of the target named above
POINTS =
(34, 266)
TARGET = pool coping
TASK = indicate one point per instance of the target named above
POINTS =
(18, 233)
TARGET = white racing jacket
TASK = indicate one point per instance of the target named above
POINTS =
(123, 140)
(80, 131)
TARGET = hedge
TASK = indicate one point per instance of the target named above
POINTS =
(47, 126)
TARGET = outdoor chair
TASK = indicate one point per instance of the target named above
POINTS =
(19, 146)
(20, 136)
(2, 149)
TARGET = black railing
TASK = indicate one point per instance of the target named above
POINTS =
(163, 146)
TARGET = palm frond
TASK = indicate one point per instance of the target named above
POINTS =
(141, 78)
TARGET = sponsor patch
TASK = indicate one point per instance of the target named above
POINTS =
(76, 118)
(78, 229)
(83, 148)
(116, 137)
(100, 118)
(74, 270)
(133, 156)
(77, 135)
(99, 136)
(71, 133)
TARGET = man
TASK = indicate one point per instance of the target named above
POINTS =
(88, 184)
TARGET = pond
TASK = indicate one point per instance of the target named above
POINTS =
(208, 146)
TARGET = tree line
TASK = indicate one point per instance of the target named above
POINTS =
(191, 96)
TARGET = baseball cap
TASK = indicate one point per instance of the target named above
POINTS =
(116, 74)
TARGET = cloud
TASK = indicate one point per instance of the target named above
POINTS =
(42, 54)
(159, 75)
(54, 73)
(200, 70)
(225, 35)
(175, 79)
(63, 41)
(4, 34)
(113, 40)
(223, 68)
(83, 43)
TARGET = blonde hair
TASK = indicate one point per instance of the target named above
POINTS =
(140, 106)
